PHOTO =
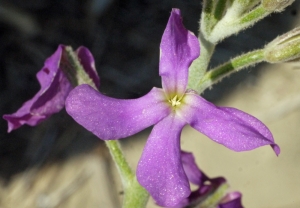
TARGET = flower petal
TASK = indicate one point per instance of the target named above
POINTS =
(110, 118)
(178, 48)
(208, 188)
(160, 170)
(230, 127)
(232, 200)
(55, 87)
(194, 174)
(87, 61)
(49, 99)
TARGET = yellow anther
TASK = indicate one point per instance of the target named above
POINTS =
(175, 101)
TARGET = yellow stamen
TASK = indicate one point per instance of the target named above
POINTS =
(175, 101)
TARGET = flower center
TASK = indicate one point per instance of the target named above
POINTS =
(175, 101)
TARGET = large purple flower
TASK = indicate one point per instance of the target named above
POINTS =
(206, 188)
(55, 87)
(169, 109)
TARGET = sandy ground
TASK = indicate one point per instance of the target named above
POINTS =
(266, 181)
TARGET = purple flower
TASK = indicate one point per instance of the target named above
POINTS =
(169, 109)
(206, 187)
(55, 87)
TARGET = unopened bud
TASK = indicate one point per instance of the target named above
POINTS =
(276, 5)
(284, 48)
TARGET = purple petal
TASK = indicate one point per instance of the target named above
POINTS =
(55, 87)
(194, 174)
(87, 61)
(160, 170)
(232, 200)
(179, 47)
(204, 191)
(49, 99)
(230, 127)
(110, 118)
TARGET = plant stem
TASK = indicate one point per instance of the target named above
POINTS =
(134, 194)
(199, 65)
(120, 161)
(254, 15)
(234, 24)
(213, 76)
(72, 68)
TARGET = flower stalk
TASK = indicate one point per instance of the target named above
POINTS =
(234, 23)
(72, 68)
(215, 75)
(200, 65)
(134, 194)
(120, 161)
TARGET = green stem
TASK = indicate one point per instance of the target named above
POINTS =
(207, 21)
(253, 16)
(120, 161)
(234, 24)
(200, 65)
(212, 12)
(134, 194)
(220, 9)
(214, 198)
(213, 76)
(72, 68)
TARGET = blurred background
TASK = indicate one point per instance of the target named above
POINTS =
(59, 164)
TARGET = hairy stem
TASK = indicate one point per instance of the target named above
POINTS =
(200, 65)
(120, 161)
(234, 24)
(234, 65)
(134, 194)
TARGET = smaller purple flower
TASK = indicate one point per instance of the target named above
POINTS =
(55, 87)
(206, 187)
(169, 109)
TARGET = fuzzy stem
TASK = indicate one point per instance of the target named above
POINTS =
(256, 14)
(199, 65)
(219, 10)
(234, 24)
(134, 194)
(72, 68)
(120, 161)
(234, 65)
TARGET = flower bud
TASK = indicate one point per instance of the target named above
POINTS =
(276, 5)
(284, 48)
